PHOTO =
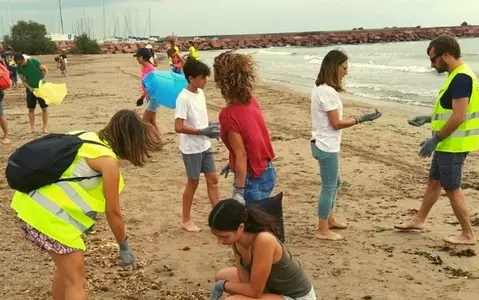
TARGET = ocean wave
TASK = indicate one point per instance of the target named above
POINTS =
(276, 52)
(408, 69)
(392, 98)
(401, 90)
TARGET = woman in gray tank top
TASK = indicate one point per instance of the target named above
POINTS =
(264, 269)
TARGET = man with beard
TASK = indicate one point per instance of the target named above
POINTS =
(455, 133)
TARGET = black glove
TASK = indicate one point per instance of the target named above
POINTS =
(370, 116)
(139, 102)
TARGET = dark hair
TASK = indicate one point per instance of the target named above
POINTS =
(17, 56)
(328, 73)
(445, 44)
(235, 76)
(194, 68)
(170, 52)
(229, 214)
(130, 137)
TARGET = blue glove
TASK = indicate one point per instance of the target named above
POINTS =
(238, 195)
(126, 255)
(428, 146)
(218, 290)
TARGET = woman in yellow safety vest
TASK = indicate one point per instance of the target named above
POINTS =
(55, 217)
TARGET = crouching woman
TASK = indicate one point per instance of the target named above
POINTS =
(264, 269)
(54, 217)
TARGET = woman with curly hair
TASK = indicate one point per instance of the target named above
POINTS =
(243, 128)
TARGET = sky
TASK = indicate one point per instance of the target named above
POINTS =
(211, 17)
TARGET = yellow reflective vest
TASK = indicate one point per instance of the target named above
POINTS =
(193, 52)
(170, 60)
(62, 210)
(466, 136)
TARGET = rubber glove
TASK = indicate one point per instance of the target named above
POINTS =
(218, 290)
(213, 123)
(126, 255)
(212, 131)
(370, 116)
(225, 170)
(139, 102)
(428, 146)
(419, 120)
(238, 195)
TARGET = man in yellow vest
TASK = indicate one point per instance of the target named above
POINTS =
(455, 133)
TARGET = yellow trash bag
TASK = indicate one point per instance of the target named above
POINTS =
(52, 93)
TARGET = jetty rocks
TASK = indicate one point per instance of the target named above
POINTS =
(305, 39)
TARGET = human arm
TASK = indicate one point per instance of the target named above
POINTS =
(264, 248)
(110, 171)
(181, 127)
(241, 158)
(337, 123)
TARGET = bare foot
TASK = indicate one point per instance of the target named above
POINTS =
(45, 131)
(330, 236)
(336, 225)
(460, 240)
(5, 141)
(414, 224)
(190, 226)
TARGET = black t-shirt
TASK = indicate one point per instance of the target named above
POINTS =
(460, 87)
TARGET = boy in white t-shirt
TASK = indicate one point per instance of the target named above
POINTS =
(191, 121)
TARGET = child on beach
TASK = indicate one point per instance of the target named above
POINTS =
(149, 116)
(191, 121)
(177, 61)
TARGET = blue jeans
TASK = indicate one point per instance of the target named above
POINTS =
(330, 181)
(260, 188)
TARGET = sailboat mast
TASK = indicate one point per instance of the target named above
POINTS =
(104, 17)
(61, 16)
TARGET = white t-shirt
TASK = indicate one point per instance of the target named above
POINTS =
(191, 107)
(324, 98)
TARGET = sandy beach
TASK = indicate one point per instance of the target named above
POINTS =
(383, 183)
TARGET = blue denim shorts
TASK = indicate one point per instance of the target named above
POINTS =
(260, 188)
(151, 105)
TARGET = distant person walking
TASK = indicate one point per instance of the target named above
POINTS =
(192, 52)
(455, 133)
(4, 74)
(327, 122)
(32, 71)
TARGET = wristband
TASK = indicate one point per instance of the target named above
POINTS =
(224, 285)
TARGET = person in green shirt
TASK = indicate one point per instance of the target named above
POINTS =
(31, 71)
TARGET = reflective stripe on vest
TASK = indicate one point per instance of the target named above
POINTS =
(462, 133)
(447, 116)
(56, 210)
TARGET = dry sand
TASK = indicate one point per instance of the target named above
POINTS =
(383, 182)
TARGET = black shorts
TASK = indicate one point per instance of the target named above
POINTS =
(447, 168)
(32, 101)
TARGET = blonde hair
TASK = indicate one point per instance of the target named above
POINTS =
(235, 75)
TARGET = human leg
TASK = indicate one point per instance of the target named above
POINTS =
(328, 168)
(149, 115)
(31, 104)
(3, 121)
(69, 279)
(333, 224)
(44, 108)
(431, 195)
(450, 167)
(192, 164)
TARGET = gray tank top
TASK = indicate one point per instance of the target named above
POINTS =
(287, 277)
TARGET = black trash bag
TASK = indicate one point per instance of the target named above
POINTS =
(273, 206)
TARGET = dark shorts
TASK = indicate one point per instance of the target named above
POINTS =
(32, 101)
(447, 168)
(198, 163)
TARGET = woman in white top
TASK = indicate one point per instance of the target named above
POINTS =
(327, 122)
